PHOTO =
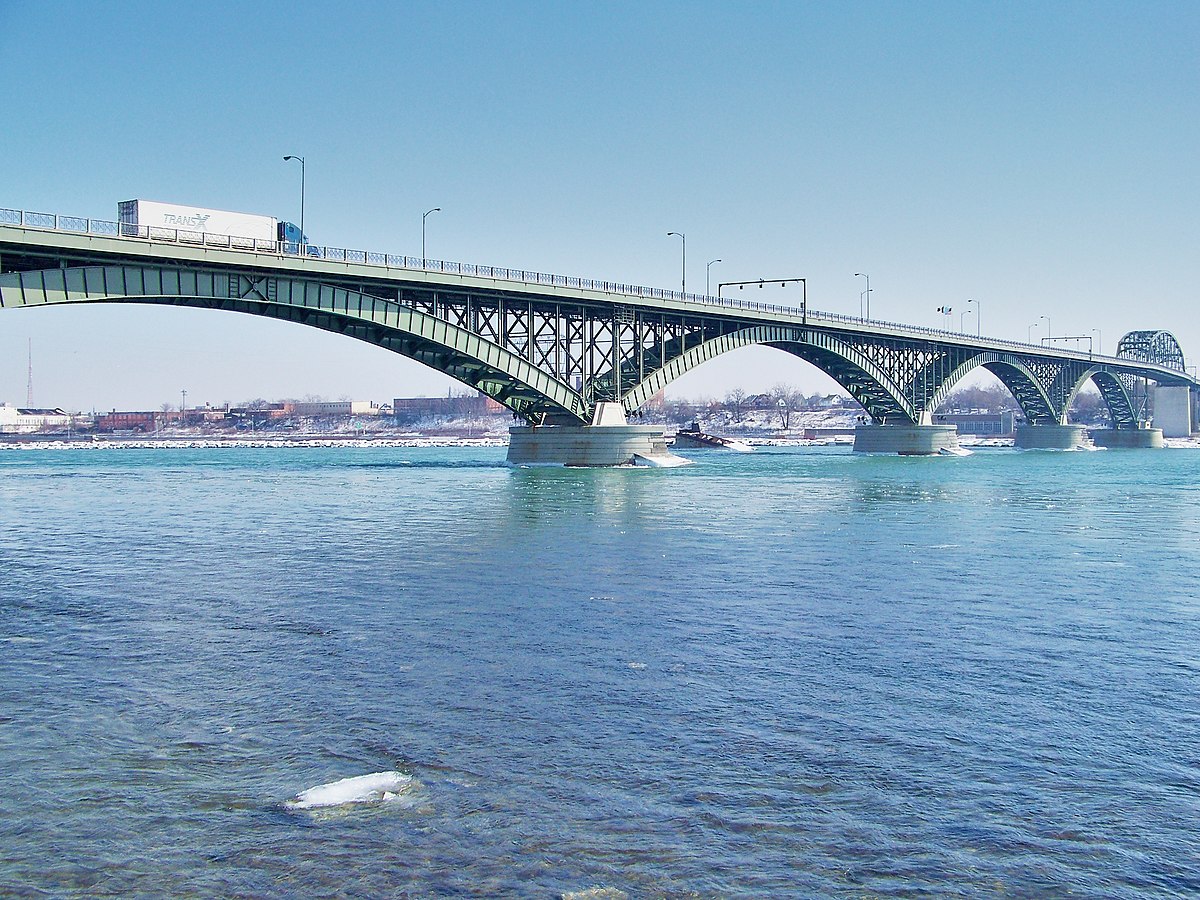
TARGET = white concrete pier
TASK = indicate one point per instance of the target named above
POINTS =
(1129, 438)
(1051, 437)
(1174, 410)
(609, 441)
(906, 439)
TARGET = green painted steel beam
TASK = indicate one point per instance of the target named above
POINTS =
(372, 319)
(527, 342)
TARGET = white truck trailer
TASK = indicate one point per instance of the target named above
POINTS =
(170, 221)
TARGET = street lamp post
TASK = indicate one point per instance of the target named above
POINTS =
(303, 239)
(1046, 339)
(962, 315)
(1099, 341)
(1029, 332)
(977, 315)
(683, 279)
(866, 293)
(424, 216)
(707, 278)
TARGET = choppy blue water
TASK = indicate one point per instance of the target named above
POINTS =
(790, 673)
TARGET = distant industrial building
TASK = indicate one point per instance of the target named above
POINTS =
(20, 420)
(333, 408)
(261, 413)
(140, 422)
(981, 424)
(143, 421)
(410, 409)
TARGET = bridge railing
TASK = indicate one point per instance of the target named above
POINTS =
(104, 228)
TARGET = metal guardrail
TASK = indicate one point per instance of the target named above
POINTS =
(286, 249)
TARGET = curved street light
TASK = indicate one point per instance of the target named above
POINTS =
(707, 279)
(424, 216)
(977, 315)
(303, 239)
(1029, 332)
(866, 293)
(962, 315)
(683, 280)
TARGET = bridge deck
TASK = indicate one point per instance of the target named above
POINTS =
(64, 234)
(548, 346)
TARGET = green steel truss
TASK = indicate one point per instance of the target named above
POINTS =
(553, 358)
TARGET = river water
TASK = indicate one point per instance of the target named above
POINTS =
(790, 673)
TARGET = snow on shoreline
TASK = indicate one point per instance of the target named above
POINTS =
(230, 443)
(411, 441)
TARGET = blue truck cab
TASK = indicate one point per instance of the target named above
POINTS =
(291, 240)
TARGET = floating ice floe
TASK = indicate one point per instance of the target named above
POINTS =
(669, 461)
(378, 787)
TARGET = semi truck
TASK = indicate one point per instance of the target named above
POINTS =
(150, 218)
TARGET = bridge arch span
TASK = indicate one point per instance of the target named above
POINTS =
(1158, 347)
(475, 361)
(867, 382)
(1032, 397)
(1121, 408)
(1021, 381)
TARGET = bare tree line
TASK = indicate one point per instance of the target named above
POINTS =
(783, 400)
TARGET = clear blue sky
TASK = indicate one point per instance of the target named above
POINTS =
(1039, 157)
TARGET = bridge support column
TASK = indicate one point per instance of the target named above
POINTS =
(906, 439)
(1129, 438)
(1051, 437)
(608, 441)
(1173, 410)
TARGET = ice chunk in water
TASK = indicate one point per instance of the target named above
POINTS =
(373, 788)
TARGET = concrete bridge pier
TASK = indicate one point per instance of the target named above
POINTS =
(905, 439)
(1175, 410)
(1051, 437)
(1129, 438)
(609, 441)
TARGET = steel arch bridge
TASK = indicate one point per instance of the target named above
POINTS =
(551, 347)
(1159, 347)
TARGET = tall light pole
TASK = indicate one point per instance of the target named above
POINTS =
(1046, 339)
(424, 216)
(683, 279)
(1029, 332)
(962, 315)
(303, 239)
(1099, 341)
(977, 315)
(707, 278)
(866, 293)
